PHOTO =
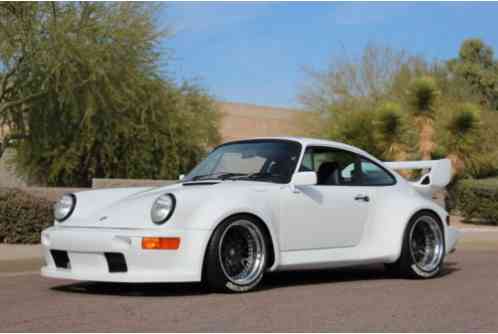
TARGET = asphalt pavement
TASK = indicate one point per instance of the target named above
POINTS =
(464, 298)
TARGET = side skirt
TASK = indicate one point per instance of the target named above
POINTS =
(331, 258)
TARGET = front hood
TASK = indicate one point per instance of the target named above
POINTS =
(129, 208)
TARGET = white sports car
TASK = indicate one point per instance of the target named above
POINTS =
(254, 206)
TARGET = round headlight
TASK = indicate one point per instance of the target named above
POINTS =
(64, 207)
(162, 208)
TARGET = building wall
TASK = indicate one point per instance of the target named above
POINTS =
(241, 121)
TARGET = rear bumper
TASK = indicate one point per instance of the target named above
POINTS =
(452, 236)
(88, 254)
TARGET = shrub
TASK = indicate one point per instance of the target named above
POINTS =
(477, 199)
(23, 216)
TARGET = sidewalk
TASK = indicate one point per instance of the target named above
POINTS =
(480, 237)
(19, 252)
(20, 258)
(476, 236)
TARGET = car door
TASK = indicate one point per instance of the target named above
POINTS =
(332, 213)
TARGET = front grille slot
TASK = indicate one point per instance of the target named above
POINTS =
(116, 262)
(61, 258)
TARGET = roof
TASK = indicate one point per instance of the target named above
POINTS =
(319, 142)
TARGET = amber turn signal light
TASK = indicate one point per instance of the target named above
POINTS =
(160, 243)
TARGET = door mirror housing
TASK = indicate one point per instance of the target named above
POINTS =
(304, 179)
(181, 177)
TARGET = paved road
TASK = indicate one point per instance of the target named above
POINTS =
(465, 298)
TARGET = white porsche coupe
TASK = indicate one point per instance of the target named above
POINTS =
(254, 206)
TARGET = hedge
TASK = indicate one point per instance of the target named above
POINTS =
(23, 216)
(477, 200)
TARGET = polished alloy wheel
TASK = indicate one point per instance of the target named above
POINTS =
(426, 243)
(242, 252)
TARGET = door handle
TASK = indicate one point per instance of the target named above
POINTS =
(363, 198)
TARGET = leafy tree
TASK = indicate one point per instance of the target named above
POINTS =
(368, 111)
(477, 67)
(352, 125)
(17, 49)
(368, 77)
(86, 95)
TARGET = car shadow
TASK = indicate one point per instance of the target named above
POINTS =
(134, 289)
(350, 274)
(271, 281)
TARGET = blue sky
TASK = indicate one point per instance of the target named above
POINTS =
(255, 52)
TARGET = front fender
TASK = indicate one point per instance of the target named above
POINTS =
(213, 212)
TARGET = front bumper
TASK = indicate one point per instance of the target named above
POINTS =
(87, 251)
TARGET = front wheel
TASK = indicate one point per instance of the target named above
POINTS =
(236, 256)
(423, 249)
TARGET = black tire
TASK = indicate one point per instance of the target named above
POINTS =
(407, 264)
(216, 276)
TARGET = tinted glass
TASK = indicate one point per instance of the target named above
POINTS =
(333, 166)
(260, 160)
(307, 164)
(374, 175)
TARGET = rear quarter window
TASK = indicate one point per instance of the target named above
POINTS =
(374, 175)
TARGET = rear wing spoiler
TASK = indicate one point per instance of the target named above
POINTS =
(436, 178)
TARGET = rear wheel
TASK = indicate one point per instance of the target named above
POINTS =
(236, 256)
(423, 249)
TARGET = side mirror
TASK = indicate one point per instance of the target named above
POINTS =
(181, 177)
(304, 179)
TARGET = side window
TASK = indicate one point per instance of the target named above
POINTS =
(332, 166)
(374, 175)
(307, 164)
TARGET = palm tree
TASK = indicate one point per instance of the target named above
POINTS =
(422, 98)
(463, 135)
(389, 127)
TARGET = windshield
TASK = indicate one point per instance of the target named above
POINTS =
(260, 160)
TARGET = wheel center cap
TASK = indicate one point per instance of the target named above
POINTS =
(231, 252)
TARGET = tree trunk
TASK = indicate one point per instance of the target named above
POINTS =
(457, 163)
(401, 155)
(426, 145)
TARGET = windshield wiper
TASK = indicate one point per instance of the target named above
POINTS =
(215, 176)
(234, 176)
(251, 176)
(262, 175)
